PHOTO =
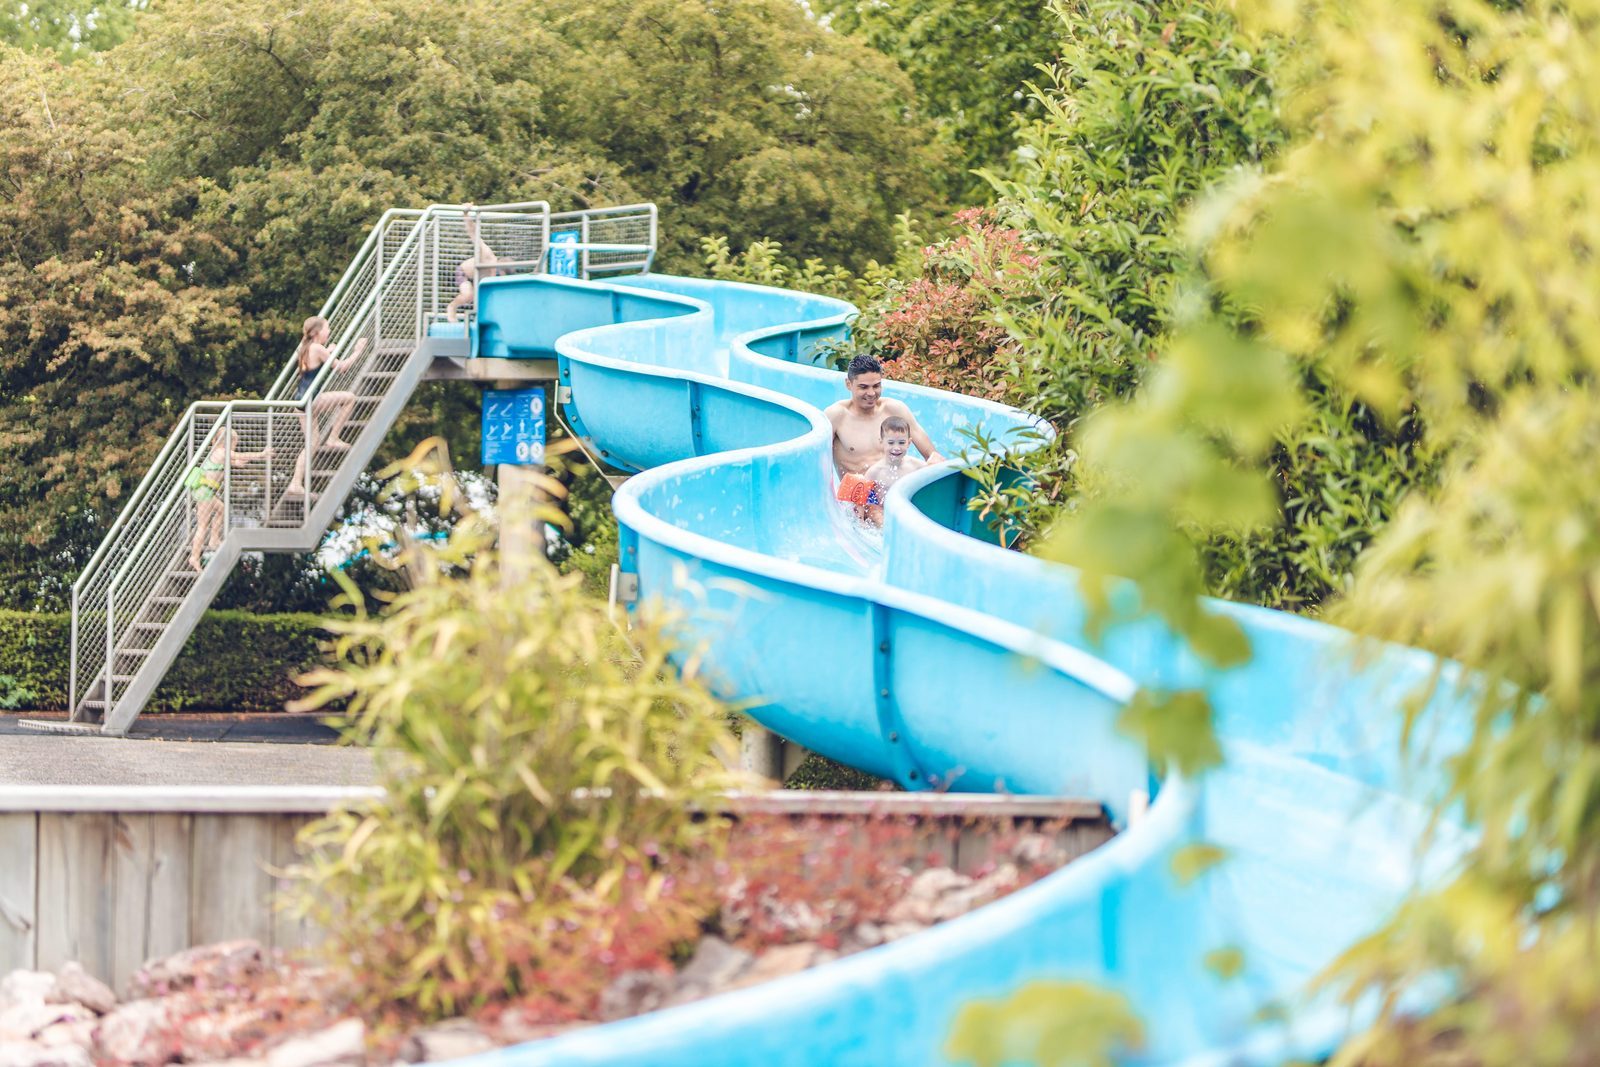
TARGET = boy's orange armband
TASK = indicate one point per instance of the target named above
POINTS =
(863, 492)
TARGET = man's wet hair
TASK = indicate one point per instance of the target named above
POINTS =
(860, 365)
(893, 424)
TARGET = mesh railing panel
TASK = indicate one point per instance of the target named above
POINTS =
(515, 238)
(401, 280)
(634, 225)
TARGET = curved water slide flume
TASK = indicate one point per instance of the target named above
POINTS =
(940, 659)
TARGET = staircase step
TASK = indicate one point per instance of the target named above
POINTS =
(134, 651)
(123, 677)
(167, 599)
(149, 626)
(56, 726)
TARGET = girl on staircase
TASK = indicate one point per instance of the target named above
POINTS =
(309, 357)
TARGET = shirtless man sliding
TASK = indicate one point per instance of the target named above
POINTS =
(857, 440)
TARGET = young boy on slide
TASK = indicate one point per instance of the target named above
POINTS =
(895, 464)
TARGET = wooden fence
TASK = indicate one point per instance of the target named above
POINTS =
(114, 876)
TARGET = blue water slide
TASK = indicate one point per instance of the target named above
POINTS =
(932, 656)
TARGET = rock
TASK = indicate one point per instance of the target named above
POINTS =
(78, 1032)
(27, 1018)
(921, 901)
(783, 960)
(1002, 880)
(867, 935)
(78, 986)
(516, 1026)
(344, 1042)
(895, 931)
(225, 963)
(224, 1029)
(634, 993)
(22, 987)
(452, 1039)
(33, 1054)
(142, 1033)
(1038, 850)
(715, 964)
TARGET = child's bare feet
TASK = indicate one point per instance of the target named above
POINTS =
(333, 444)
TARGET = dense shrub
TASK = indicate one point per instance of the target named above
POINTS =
(1427, 246)
(540, 763)
(233, 662)
(939, 327)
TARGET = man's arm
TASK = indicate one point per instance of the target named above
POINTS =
(919, 436)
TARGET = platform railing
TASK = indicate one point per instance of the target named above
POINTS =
(631, 228)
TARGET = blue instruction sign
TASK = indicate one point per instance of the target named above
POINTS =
(513, 426)
(564, 261)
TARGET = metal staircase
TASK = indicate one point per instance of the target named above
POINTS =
(136, 603)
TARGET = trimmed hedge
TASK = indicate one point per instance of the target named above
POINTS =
(234, 661)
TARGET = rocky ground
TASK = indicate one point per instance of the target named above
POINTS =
(232, 1004)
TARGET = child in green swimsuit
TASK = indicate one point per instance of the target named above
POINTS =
(204, 482)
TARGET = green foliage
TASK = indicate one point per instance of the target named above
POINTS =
(67, 28)
(1175, 728)
(1191, 861)
(969, 61)
(764, 262)
(115, 300)
(538, 762)
(233, 662)
(1047, 1023)
(749, 120)
(1426, 249)
(1150, 106)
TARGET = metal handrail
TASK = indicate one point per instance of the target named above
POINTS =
(224, 418)
(121, 556)
(227, 408)
(374, 236)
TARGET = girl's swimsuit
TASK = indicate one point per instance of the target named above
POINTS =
(306, 378)
(203, 481)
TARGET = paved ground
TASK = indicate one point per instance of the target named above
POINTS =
(185, 750)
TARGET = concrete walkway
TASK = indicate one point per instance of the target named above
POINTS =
(204, 750)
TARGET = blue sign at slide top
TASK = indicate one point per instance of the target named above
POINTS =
(513, 426)
(563, 261)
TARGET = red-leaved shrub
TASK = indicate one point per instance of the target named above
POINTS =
(940, 329)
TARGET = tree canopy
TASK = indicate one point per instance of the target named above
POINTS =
(971, 62)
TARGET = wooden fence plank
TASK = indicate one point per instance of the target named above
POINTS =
(152, 863)
(289, 934)
(19, 921)
(77, 889)
(230, 886)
